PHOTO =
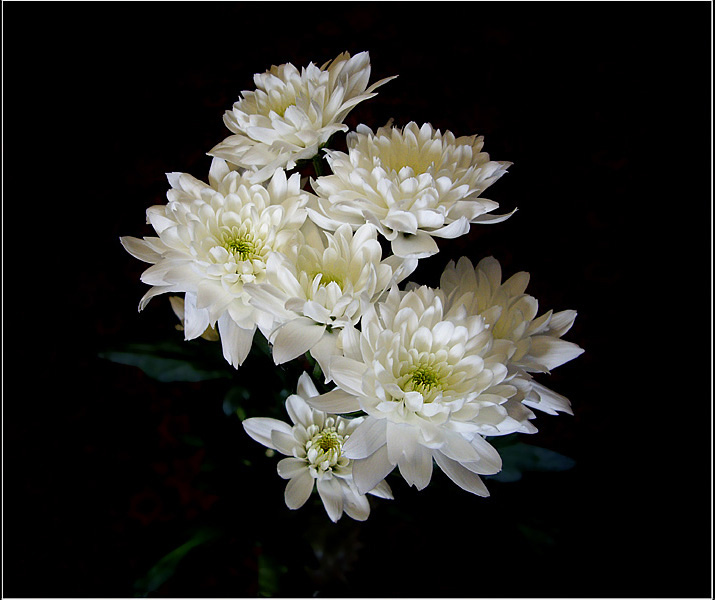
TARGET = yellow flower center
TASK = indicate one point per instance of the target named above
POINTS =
(328, 440)
(244, 248)
(423, 379)
(326, 278)
(324, 451)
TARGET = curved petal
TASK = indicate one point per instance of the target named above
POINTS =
(419, 245)
(561, 322)
(298, 410)
(235, 341)
(356, 505)
(417, 469)
(348, 374)
(367, 438)
(294, 338)
(464, 478)
(382, 490)
(298, 490)
(196, 320)
(369, 472)
(331, 494)
(140, 249)
(402, 441)
(283, 442)
(291, 467)
(336, 401)
(306, 388)
(553, 352)
(549, 401)
(261, 428)
(324, 351)
(459, 449)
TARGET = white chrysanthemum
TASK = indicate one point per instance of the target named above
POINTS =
(431, 383)
(213, 239)
(412, 184)
(511, 313)
(292, 113)
(326, 287)
(314, 445)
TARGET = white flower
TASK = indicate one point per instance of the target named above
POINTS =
(511, 313)
(213, 239)
(412, 184)
(325, 288)
(314, 445)
(292, 113)
(431, 383)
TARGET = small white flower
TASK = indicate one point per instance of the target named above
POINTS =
(412, 184)
(292, 113)
(511, 314)
(314, 445)
(212, 240)
(325, 288)
(432, 384)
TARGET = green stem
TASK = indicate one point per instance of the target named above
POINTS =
(318, 165)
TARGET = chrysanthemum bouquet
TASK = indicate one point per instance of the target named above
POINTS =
(411, 375)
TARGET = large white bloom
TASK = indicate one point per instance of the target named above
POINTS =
(412, 184)
(431, 383)
(292, 113)
(325, 288)
(511, 314)
(314, 445)
(212, 240)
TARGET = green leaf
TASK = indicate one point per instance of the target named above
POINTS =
(269, 575)
(166, 566)
(170, 361)
(518, 458)
(233, 401)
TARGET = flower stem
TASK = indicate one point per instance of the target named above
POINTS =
(318, 165)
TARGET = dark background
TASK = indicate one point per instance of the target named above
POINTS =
(604, 108)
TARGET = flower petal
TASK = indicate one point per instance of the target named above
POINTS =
(336, 401)
(367, 438)
(417, 469)
(291, 467)
(464, 478)
(368, 472)
(236, 342)
(348, 374)
(298, 410)
(419, 245)
(549, 401)
(294, 338)
(298, 490)
(331, 494)
(306, 387)
(553, 352)
(355, 504)
(261, 428)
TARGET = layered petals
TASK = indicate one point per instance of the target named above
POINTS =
(314, 446)
(292, 113)
(413, 184)
(213, 239)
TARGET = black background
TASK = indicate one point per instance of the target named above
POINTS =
(604, 109)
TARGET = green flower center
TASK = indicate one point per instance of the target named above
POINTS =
(326, 278)
(324, 451)
(423, 379)
(328, 440)
(243, 248)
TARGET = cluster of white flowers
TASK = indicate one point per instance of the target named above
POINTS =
(419, 375)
